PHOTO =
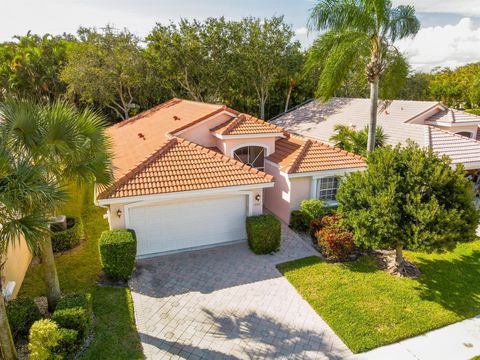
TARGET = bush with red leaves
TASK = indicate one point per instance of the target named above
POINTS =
(334, 237)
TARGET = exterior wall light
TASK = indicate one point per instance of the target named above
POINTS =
(257, 197)
(119, 213)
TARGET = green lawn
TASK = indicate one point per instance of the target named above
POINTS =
(115, 333)
(368, 308)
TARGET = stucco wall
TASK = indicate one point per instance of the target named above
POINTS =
(115, 221)
(18, 259)
(233, 144)
(455, 129)
(277, 198)
(301, 190)
(201, 134)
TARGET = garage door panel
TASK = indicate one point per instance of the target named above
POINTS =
(177, 226)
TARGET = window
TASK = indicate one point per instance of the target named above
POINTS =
(327, 188)
(251, 155)
(465, 133)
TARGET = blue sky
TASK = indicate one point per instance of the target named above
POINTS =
(450, 34)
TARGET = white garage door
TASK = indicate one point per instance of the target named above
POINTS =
(187, 224)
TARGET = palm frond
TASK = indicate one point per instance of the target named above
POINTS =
(340, 15)
(403, 23)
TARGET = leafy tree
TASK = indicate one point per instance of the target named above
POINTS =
(192, 58)
(409, 198)
(107, 69)
(264, 53)
(360, 29)
(416, 87)
(67, 145)
(31, 65)
(26, 195)
(455, 87)
(355, 141)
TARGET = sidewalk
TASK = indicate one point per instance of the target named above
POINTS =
(458, 341)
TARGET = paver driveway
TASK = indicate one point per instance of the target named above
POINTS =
(227, 303)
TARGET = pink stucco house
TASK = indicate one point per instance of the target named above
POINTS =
(187, 174)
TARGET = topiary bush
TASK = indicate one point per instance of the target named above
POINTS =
(22, 313)
(298, 221)
(334, 238)
(74, 311)
(48, 341)
(67, 239)
(118, 249)
(263, 233)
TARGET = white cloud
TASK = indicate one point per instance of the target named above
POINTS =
(462, 7)
(301, 31)
(449, 45)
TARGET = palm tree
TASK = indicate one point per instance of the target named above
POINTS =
(26, 195)
(69, 144)
(349, 139)
(359, 29)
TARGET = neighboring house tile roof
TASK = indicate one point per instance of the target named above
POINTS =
(180, 165)
(135, 138)
(317, 120)
(246, 125)
(453, 116)
(297, 155)
(459, 148)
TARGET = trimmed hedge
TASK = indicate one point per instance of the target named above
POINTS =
(263, 233)
(48, 341)
(74, 311)
(22, 313)
(68, 239)
(118, 249)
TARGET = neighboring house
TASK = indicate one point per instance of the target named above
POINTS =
(189, 173)
(447, 131)
(15, 265)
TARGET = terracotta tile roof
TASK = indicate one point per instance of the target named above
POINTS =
(451, 116)
(245, 125)
(180, 165)
(297, 155)
(139, 136)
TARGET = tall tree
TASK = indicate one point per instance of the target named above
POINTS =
(30, 66)
(264, 50)
(27, 194)
(67, 144)
(359, 29)
(409, 198)
(107, 68)
(192, 58)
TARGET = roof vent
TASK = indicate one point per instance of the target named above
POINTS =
(175, 117)
(141, 136)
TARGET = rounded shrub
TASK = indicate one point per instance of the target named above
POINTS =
(74, 311)
(334, 238)
(67, 239)
(48, 341)
(118, 249)
(313, 209)
(264, 232)
(22, 313)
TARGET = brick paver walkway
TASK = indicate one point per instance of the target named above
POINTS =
(227, 303)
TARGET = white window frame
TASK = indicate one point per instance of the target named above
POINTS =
(248, 146)
(334, 179)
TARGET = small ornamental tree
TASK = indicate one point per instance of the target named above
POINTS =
(409, 198)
